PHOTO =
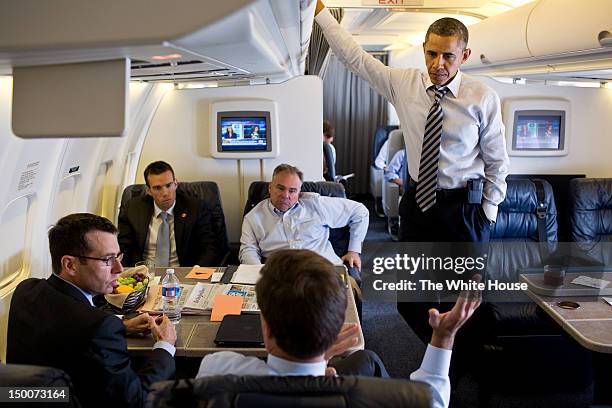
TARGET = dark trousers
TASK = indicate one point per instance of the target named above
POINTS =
(451, 219)
(361, 362)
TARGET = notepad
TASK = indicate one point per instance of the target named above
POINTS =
(225, 305)
(247, 274)
(199, 272)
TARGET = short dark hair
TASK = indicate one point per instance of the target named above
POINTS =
(303, 300)
(157, 167)
(447, 27)
(67, 237)
(328, 129)
(290, 169)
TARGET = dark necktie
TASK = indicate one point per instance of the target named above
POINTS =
(162, 248)
(430, 154)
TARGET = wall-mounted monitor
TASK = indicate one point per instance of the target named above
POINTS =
(244, 129)
(537, 127)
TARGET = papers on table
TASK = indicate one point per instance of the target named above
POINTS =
(608, 300)
(199, 298)
(591, 282)
(247, 274)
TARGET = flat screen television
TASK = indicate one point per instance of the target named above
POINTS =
(245, 131)
(538, 130)
(536, 127)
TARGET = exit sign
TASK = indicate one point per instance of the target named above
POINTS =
(387, 3)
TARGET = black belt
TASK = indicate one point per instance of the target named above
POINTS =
(441, 192)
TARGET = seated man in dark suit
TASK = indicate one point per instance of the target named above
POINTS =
(303, 303)
(52, 322)
(166, 227)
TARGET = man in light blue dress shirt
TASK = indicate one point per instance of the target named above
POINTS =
(303, 303)
(290, 220)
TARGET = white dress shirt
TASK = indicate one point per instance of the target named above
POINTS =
(151, 247)
(306, 225)
(472, 144)
(382, 158)
(433, 370)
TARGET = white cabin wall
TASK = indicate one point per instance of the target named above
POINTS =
(180, 135)
(40, 187)
(589, 138)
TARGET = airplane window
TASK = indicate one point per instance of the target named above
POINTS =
(13, 226)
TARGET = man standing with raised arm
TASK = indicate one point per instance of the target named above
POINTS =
(452, 129)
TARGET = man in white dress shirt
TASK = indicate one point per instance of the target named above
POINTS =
(290, 220)
(471, 145)
(455, 147)
(303, 302)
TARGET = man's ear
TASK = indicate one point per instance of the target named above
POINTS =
(148, 190)
(466, 54)
(69, 265)
(265, 329)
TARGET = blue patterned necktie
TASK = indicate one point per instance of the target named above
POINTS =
(430, 154)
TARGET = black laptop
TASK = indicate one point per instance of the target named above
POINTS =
(240, 331)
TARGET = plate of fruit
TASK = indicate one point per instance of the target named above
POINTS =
(131, 289)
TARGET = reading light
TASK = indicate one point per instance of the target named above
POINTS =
(166, 57)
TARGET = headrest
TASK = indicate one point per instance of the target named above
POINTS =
(256, 391)
(591, 209)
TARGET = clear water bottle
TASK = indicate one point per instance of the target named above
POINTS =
(171, 294)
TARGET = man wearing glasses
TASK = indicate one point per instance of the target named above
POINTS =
(52, 322)
(166, 227)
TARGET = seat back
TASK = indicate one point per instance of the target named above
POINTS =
(272, 391)
(591, 210)
(380, 137)
(376, 174)
(207, 191)
(514, 236)
(517, 217)
(19, 375)
(339, 237)
(390, 193)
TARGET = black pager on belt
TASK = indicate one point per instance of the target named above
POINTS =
(474, 189)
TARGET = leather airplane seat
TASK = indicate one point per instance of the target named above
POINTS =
(339, 237)
(299, 392)
(206, 191)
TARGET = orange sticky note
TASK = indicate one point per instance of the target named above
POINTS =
(199, 272)
(224, 305)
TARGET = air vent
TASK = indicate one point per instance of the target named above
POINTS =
(145, 64)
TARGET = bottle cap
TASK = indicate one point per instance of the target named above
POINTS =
(169, 270)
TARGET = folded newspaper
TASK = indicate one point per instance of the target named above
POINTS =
(198, 299)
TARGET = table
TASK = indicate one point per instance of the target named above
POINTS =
(590, 324)
(195, 334)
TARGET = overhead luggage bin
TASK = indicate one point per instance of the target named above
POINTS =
(542, 37)
(185, 40)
